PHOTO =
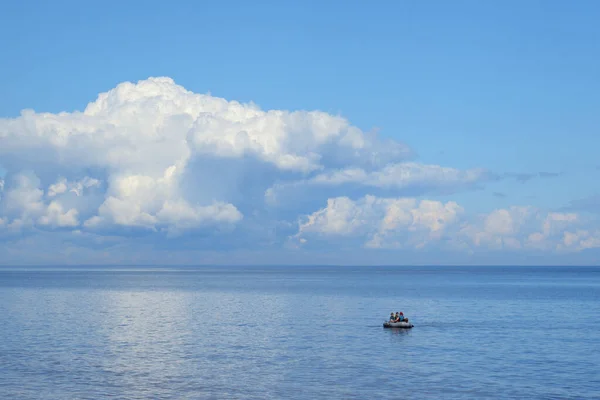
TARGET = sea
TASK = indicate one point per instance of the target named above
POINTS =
(303, 332)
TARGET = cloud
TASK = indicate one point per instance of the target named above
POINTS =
(524, 228)
(408, 223)
(156, 156)
(149, 162)
(62, 186)
(526, 177)
(56, 216)
(549, 174)
(589, 204)
(381, 222)
(24, 205)
(404, 178)
(404, 175)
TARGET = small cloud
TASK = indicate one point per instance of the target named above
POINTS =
(549, 174)
(524, 177)
(499, 195)
(587, 204)
(519, 177)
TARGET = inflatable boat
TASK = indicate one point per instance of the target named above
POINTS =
(388, 324)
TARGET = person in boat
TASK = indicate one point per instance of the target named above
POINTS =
(396, 318)
(402, 318)
(392, 317)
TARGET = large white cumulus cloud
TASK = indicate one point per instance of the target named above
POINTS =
(156, 156)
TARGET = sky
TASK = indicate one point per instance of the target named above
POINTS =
(336, 132)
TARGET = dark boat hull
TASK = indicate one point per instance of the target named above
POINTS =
(404, 325)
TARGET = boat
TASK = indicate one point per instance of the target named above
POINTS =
(406, 325)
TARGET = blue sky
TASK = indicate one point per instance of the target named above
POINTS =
(510, 87)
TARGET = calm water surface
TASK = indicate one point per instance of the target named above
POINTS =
(299, 333)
